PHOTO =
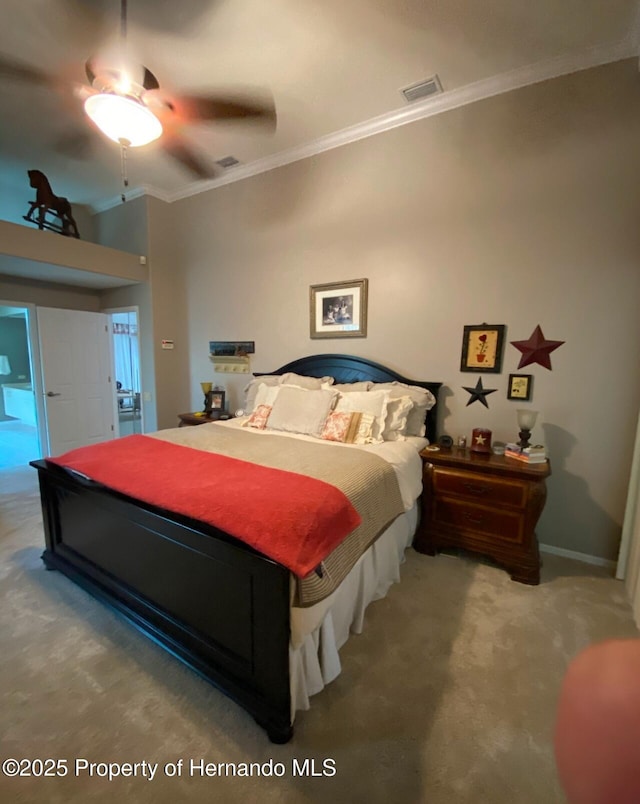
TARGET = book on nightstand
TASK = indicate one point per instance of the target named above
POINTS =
(535, 454)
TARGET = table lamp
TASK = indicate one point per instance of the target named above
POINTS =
(208, 394)
(526, 421)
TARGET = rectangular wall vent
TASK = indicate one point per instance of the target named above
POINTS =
(424, 89)
(228, 161)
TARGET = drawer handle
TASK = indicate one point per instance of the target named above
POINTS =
(476, 520)
(476, 489)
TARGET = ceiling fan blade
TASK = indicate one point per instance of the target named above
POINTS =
(13, 69)
(193, 108)
(177, 148)
(136, 72)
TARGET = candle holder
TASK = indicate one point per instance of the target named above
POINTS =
(208, 396)
(526, 422)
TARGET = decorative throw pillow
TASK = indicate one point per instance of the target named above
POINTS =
(365, 429)
(259, 417)
(374, 402)
(341, 427)
(297, 410)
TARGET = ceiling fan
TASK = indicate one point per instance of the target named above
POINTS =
(125, 102)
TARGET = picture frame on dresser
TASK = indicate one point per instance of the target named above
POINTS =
(482, 346)
(339, 309)
(217, 400)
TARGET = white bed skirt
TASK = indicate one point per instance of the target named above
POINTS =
(318, 632)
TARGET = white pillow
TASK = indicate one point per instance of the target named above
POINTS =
(296, 410)
(374, 402)
(350, 387)
(423, 400)
(266, 395)
(252, 389)
(310, 383)
(395, 426)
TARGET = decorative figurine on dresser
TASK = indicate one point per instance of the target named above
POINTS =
(485, 503)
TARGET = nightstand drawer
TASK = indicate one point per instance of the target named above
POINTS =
(499, 526)
(480, 488)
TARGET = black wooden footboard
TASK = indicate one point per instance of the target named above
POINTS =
(213, 602)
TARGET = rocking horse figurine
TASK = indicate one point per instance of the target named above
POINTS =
(47, 202)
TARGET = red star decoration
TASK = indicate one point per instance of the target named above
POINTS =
(536, 350)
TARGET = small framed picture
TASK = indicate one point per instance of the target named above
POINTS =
(482, 348)
(231, 348)
(217, 400)
(520, 387)
(339, 309)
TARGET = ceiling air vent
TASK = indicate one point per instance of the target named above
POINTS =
(424, 89)
(228, 161)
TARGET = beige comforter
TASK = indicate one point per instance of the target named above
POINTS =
(368, 481)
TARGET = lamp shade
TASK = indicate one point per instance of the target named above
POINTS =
(526, 418)
(5, 366)
(123, 120)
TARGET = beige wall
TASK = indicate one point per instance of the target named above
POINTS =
(519, 210)
(45, 294)
(168, 291)
(124, 227)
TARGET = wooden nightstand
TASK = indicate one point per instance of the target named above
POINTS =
(485, 503)
(190, 419)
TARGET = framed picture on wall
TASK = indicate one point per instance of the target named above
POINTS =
(482, 348)
(339, 309)
(520, 387)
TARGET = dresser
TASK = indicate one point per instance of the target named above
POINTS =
(487, 504)
(193, 419)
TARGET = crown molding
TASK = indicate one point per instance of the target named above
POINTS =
(131, 195)
(438, 104)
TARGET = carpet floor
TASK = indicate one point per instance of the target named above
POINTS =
(447, 697)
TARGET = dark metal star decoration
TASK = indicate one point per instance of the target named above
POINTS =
(536, 350)
(479, 394)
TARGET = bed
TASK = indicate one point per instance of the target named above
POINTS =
(219, 605)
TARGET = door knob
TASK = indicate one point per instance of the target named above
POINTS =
(50, 393)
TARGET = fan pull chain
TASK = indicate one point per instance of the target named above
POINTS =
(123, 167)
(123, 20)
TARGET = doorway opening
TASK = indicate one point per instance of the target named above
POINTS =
(126, 359)
(19, 415)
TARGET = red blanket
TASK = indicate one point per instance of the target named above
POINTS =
(294, 519)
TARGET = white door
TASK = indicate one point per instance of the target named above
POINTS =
(78, 394)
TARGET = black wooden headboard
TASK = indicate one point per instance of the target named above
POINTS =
(348, 368)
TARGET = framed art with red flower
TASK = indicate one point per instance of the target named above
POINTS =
(482, 348)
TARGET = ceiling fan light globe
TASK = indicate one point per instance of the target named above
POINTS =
(123, 119)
